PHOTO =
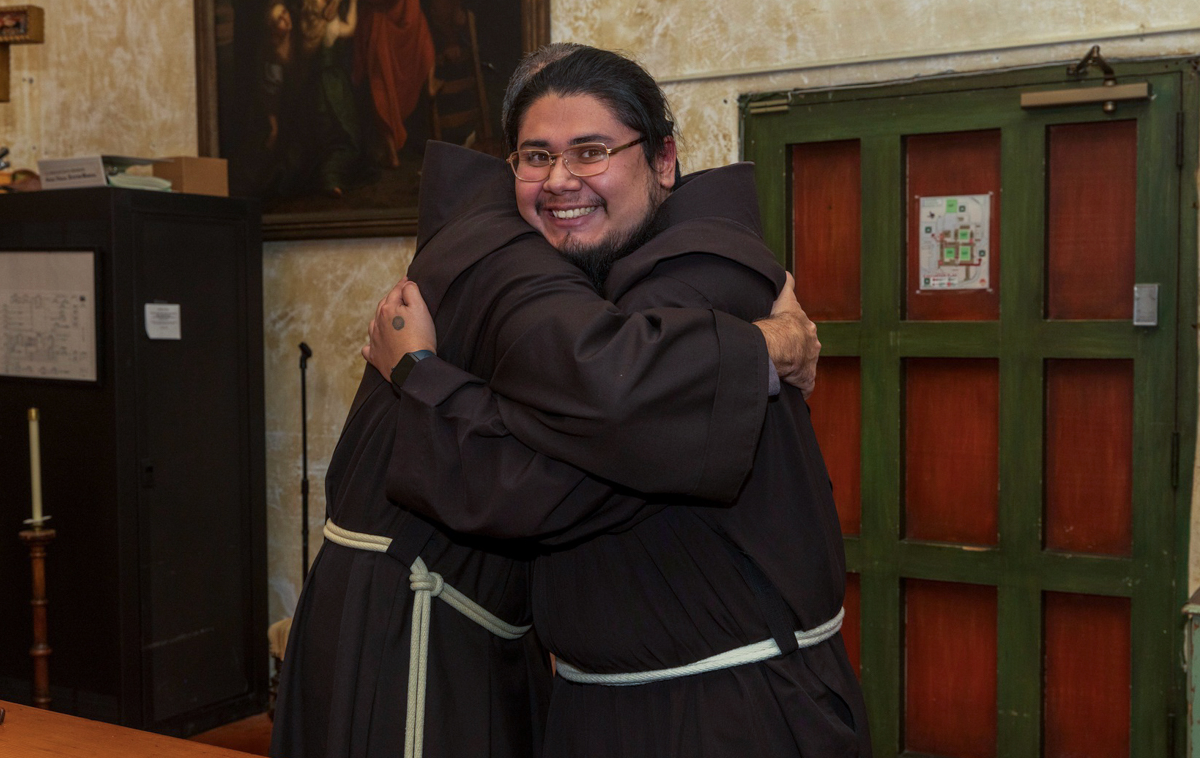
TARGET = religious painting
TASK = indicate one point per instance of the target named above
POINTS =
(322, 107)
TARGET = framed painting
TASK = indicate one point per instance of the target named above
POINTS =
(322, 107)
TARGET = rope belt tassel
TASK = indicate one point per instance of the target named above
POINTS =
(753, 653)
(426, 585)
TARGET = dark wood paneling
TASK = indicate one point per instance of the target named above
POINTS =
(827, 229)
(960, 163)
(836, 406)
(1087, 676)
(1091, 220)
(951, 433)
(1089, 456)
(950, 669)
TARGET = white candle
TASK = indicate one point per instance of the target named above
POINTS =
(35, 466)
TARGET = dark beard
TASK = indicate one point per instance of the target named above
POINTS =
(597, 261)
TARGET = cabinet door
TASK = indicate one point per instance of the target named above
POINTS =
(194, 457)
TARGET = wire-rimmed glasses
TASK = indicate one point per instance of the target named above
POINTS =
(586, 159)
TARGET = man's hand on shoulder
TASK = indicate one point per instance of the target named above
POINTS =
(792, 340)
(402, 324)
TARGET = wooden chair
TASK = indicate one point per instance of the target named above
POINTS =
(277, 637)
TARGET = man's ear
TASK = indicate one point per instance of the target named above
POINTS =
(664, 163)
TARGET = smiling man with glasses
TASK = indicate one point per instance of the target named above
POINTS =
(687, 629)
(591, 214)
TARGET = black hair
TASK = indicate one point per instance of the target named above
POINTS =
(567, 68)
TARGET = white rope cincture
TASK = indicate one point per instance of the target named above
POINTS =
(425, 585)
(752, 653)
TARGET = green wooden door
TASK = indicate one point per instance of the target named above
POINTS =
(1002, 438)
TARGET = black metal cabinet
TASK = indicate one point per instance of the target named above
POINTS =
(154, 474)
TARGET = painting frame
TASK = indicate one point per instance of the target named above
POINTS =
(400, 220)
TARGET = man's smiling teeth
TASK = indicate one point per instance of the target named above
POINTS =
(573, 212)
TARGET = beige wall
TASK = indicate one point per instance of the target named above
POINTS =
(322, 293)
(113, 76)
(117, 77)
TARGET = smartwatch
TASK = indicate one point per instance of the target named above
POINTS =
(402, 369)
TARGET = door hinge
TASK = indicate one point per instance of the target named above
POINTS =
(1175, 460)
(781, 104)
(1179, 140)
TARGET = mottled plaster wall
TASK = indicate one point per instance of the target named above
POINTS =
(113, 76)
(117, 77)
(322, 293)
(678, 39)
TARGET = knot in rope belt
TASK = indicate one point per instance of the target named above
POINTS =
(753, 653)
(425, 585)
(423, 580)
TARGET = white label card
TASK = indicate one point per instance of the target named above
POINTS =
(162, 321)
(65, 173)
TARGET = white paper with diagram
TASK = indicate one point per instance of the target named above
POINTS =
(955, 249)
(48, 315)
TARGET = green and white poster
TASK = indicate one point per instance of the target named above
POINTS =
(955, 236)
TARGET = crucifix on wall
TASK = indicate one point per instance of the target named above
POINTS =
(19, 25)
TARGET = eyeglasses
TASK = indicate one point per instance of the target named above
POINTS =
(588, 159)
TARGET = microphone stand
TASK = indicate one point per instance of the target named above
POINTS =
(305, 354)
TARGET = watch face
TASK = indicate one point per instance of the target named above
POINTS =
(401, 371)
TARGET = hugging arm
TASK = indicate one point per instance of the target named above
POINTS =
(455, 459)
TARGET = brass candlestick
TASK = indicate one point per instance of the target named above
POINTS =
(37, 539)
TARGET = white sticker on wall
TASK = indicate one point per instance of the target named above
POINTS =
(162, 321)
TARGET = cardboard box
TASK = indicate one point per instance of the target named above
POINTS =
(199, 176)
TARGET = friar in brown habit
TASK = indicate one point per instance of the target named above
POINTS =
(355, 671)
(690, 628)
